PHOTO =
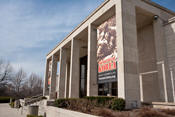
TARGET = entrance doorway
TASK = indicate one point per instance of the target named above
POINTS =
(83, 76)
(108, 89)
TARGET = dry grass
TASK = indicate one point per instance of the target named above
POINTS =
(105, 113)
(169, 111)
(149, 112)
(110, 113)
(143, 112)
(89, 107)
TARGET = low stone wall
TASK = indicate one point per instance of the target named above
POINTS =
(58, 112)
(163, 105)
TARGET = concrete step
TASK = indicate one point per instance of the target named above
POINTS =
(163, 105)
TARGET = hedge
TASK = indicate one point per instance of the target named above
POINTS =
(102, 100)
(118, 104)
(91, 102)
(12, 104)
(33, 116)
(5, 99)
(62, 103)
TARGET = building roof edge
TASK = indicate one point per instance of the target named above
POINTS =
(159, 6)
(171, 20)
(98, 8)
(88, 17)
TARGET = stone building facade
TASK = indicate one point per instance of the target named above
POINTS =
(125, 48)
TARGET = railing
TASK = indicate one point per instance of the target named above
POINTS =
(164, 81)
(33, 99)
(172, 81)
(141, 82)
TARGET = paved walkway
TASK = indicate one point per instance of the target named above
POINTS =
(7, 111)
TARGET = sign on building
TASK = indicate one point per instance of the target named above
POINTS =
(107, 51)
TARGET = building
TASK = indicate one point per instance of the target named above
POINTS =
(125, 48)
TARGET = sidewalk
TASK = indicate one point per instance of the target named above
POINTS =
(7, 111)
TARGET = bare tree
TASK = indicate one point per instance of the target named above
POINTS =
(32, 86)
(35, 84)
(32, 80)
(17, 84)
(18, 80)
(5, 73)
(25, 90)
(39, 86)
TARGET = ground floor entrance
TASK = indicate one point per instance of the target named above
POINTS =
(107, 89)
(104, 89)
(83, 76)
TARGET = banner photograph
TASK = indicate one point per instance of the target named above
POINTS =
(49, 73)
(107, 51)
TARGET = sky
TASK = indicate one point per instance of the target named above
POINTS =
(29, 29)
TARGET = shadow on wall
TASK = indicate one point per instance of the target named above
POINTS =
(170, 43)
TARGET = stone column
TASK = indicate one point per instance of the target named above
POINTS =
(127, 66)
(62, 76)
(162, 63)
(172, 81)
(67, 80)
(74, 69)
(92, 86)
(52, 92)
(46, 88)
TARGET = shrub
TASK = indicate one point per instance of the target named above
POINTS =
(12, 104)
(101, 101)
(44, 98)
(87, 104)
(4, 99)
(62, 103)
(73, 104)
(118, 104)
(33, 116)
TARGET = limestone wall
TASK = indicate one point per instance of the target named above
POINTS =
(147, 63)
(170, 42)
(146, 47)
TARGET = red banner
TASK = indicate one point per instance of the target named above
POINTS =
(107, 65)
(107, 51)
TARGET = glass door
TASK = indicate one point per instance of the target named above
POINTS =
(83, 76)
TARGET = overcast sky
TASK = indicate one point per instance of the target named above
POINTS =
(29, 29)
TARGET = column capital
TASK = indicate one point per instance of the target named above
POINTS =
(93, 26)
